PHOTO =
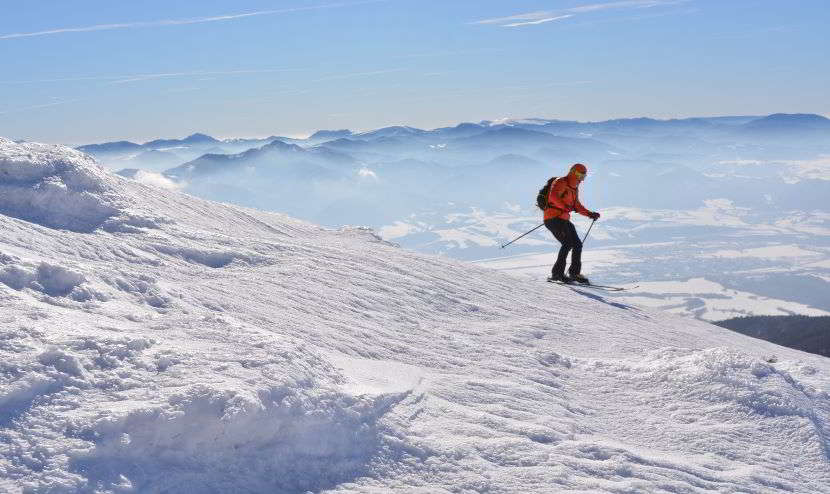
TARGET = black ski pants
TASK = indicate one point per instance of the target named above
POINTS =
(565, 233)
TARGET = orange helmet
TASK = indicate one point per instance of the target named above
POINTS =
(578, 169)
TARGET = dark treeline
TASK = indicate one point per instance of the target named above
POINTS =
(810, 334)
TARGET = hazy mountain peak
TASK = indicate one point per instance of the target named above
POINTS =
(789, 124)
(281, 145)
(393, 131)
(110, 147)
(802, 117)
(199, 138)
(330, 134)
(468, 125)
(191, 139)
(790, 118)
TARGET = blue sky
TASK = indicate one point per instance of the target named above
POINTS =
(91, 70)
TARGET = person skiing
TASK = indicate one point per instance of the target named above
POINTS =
(563, 198)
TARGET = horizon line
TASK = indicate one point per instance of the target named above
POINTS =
(497, 121)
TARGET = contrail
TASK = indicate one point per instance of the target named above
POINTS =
(179, 22)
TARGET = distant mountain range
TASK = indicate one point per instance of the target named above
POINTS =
(161, 154)
(127, 146)
(784, 126)
(463, 190)
(276, 159)
(779, 122)
(505, 157)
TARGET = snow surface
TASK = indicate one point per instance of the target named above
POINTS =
(757, 266)
(700, 297)
(712, 301)
(155, 342)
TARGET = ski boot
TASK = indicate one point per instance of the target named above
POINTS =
(578, 278)
(559, 278)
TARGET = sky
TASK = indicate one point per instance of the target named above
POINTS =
(95, 70)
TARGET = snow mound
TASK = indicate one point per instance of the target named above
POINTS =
(210, 257)
(50, 279)
(271, 419)
(59, 187)
(279, 439)
(725, 376)
(365, 232)
(727, 393)
(143, 287)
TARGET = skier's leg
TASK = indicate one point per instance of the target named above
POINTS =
(576, 250)
(558, 227)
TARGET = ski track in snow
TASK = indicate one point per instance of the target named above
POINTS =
(212, 348)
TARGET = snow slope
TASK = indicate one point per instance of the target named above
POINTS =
(155, 342)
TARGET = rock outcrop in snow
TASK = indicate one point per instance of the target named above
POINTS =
(230, 350)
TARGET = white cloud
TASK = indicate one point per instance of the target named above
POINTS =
(520, 17)
(144, 77)
(118, 79)
(541, 17)
(622, 4)
(156, 180)
(540, 21)
(179, 22)
(43, 105)
(357, 74)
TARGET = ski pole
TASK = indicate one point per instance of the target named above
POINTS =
(522, 235)
(589, 231)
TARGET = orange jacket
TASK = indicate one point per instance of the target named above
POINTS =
(562, 199)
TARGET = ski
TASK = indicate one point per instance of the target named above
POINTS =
(592, 285)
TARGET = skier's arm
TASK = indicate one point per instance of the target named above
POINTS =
(584, 212)
(579, 208)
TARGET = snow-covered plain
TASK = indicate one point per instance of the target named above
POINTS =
(765, 264)
(692, 296)
(155, 342)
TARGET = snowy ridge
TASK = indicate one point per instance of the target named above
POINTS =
(214, 348)
(63, 188)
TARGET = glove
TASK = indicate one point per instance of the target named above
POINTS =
(594, 215)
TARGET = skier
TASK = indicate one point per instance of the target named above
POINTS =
(562, 199)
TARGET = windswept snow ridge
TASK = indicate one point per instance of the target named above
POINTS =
(154, 342)
(59, 187)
